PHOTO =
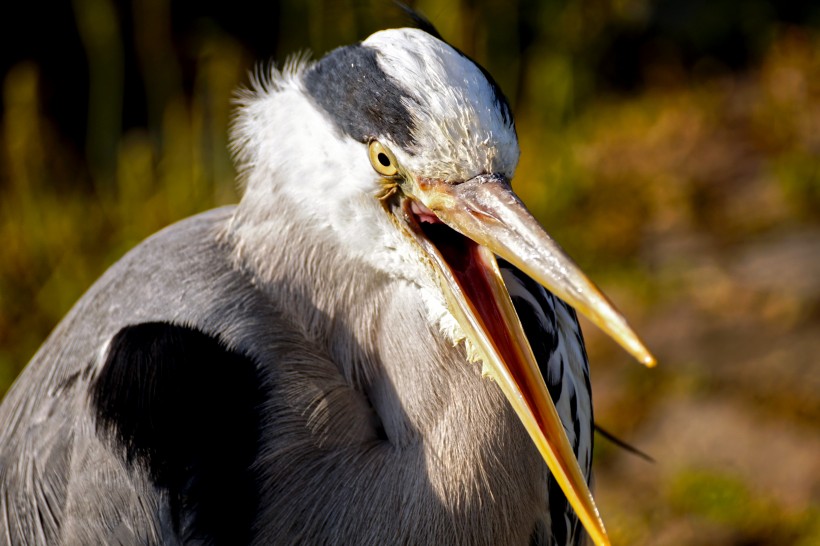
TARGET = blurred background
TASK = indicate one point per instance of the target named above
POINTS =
(673, 148)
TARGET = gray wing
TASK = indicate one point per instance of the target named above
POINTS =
(140, 376)
(114, 432)
(555, 336)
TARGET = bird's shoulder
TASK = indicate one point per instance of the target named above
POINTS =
(184, 409)
(166, 277)
(162, 367)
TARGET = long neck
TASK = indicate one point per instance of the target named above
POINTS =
(480, 463)
(453, 461)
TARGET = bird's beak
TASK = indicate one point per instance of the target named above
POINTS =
(487, 219)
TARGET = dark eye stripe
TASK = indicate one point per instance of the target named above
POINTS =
(360, 98)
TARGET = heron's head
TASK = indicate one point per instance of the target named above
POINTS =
(401, 150)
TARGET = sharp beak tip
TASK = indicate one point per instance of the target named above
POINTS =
(637, 349)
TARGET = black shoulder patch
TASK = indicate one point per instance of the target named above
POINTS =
(359, 96)
(543, 338)
(186, 408)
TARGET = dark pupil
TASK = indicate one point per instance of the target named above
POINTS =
(384, 160)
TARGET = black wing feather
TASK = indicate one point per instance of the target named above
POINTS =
(536, 310)
(180, 404)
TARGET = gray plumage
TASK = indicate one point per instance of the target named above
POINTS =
(362, 422)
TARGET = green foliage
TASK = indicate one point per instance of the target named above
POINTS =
(718, 497)
(66, 218)
(727, 501)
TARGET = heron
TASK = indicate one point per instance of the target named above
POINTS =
(377, 345)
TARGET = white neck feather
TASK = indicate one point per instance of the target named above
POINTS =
(311, 189)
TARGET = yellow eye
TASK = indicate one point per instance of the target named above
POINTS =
(382, 159)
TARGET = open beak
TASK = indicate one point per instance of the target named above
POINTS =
(462, 227)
